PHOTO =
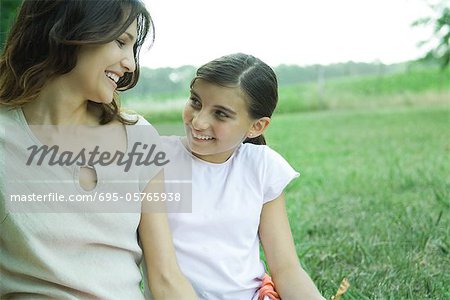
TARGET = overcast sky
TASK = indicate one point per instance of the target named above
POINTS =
(302, 32)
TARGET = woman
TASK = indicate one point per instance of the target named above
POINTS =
(62, 66)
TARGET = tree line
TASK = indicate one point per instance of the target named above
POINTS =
(176, 80)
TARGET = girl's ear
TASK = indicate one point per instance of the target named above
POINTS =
(258, 127)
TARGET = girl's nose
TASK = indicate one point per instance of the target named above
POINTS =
(200, 121)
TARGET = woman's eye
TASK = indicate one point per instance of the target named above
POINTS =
(120, 43)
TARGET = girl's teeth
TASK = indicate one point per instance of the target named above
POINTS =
(203, 137)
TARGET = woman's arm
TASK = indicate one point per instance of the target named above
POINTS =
(164, 275)
(291, 281)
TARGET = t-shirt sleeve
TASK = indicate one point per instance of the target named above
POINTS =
(153, 155)
(278, 173)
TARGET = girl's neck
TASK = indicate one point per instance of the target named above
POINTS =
(217, 158)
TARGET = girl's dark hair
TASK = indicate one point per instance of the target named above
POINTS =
(45, 39)
(255, 78)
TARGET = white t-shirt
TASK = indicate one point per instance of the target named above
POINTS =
(63, 254)
(217, 244)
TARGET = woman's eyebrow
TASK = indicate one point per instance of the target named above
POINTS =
(130, 36)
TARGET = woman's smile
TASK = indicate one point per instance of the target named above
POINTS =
(113, 77)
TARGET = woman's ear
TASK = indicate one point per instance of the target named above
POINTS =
(258, 127)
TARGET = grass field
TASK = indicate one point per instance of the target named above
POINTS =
(417, 86)
(373, 201)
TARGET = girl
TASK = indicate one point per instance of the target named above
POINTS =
(237, 187)
(62, 66)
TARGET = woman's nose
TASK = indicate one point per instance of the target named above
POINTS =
(128, 62)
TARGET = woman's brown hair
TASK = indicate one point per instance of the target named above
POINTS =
(45, 38)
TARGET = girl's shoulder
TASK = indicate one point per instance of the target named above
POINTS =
(272, 170)
(174, 147)
(257, 153)
(172, 144)
(171, 140)
(261, 157)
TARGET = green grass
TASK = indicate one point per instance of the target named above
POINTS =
(421, 86)
(373, 200)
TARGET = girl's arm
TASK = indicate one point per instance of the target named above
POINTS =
(164, 275)
(291, 281)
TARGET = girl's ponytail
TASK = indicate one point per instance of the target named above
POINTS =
(259, 140)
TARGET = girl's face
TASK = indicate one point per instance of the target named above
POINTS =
(99, 67)
(216, 121)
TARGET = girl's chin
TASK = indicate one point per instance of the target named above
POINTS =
(196, 150)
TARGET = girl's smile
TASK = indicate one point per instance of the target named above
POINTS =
(216, 120)
(200, 137)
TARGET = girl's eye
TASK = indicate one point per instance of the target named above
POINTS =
(195, 103)
(221, 114)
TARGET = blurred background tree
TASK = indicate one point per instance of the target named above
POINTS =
(8, 10)
(438, 44)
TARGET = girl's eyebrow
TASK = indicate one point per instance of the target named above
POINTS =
(226, 109)
(195, 94)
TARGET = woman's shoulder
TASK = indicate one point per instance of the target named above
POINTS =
(8, 115)
(7, 111)
(134, 118)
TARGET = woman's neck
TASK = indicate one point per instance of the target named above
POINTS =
(57, 105)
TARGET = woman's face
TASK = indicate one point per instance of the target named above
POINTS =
(216, 120)
(99, 67)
